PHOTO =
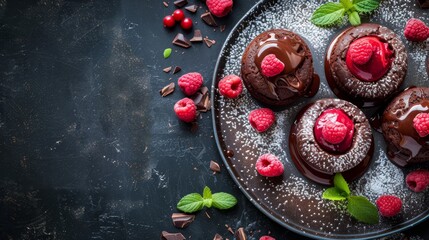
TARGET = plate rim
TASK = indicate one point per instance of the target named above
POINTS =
(403, 226)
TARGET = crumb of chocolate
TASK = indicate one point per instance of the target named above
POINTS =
(165, 4)
(167, 69)
(176, 69)
(167, 90)
(209, 42)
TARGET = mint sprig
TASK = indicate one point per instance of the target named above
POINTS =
(330, 13)
(357, 206)
(194, 202)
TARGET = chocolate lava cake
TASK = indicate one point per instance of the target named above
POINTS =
(296, 80)
(366, 64)
(405, 127)
(331, 136)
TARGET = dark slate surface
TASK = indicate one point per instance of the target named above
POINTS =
(88, 148)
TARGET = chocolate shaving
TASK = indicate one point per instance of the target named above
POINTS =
(171, 236)
(176, 69)
(167, 90)
(208, 216)
(192, 8)
(198, 37)
(214, 166)
(222, 28)
(181, 41)
(181, 220)
(167, 69)
(240, 234)
(165, 4)
(180, 3)
(208, 19)
(218, 237)
(209, 42)
(229, 229)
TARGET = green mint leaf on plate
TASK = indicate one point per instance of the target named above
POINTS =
(334, 194)
(328, 14)
(191, 203)
(354, 18)
(347, 4)
(167, 52)
(362, 209)
(366, 6)
(207, 195)
(223, 200)
(341, 184)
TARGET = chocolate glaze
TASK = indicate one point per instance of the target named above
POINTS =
(296, 80)
(301, 141)
(404, 145)
(345, 85)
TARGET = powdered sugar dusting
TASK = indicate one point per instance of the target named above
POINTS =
(292, 199)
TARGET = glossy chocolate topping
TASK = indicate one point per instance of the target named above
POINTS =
(405, 146)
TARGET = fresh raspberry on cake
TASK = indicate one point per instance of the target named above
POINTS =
(185, 110)
(418, 180)
(334, 132)
(416, 30)
(219, 8)
(421, 124)
(361, 52)
(230, 86)
(389, 205)
(271, 66)
(268, 165)
(262, 119)
(266, 238)
(190, 83)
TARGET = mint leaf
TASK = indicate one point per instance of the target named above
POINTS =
(362, 209)
(191, 203)
(207, 195)
(328, 14)
(354, 18)
(333, 193)
(347, 4)
(223, 200)
(366, 6)
(167, 52)
(341, 184)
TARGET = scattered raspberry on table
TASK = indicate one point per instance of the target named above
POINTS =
(186, 110)
(268, 165)
(219, 8)
(190, 83)
(389, 205)
(418, 180)
(230, 86)
(262, 119)
(416, 30)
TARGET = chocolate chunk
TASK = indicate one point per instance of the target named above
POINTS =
(181, 41)
(180, 3)
(198, 37)
(229, 229)
(167, 90)
(165, 4)
(202, 99)
(171, 236)
(214, 166)
(423, 3)
(209, 42)
(218, 237)
(176, 69)
(222, 28)
(240, 234)
(192, 8)
(181, 220)
(208, 19)
(167, 69)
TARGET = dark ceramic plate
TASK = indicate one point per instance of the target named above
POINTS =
(292, 200)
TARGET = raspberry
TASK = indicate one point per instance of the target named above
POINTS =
(271, 66)
(416, 30)
(219, 8)
(389, 205)
(267, 238)
(418, 180)
(334, 132)
(269, 165)
(361, 52)
(230, 86)
(185, 110)
(190, 83)
(421, 124)
(262, 119)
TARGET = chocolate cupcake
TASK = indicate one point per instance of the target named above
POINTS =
(366, 64)
(277, 68)
(331, 136)
(405, 127)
